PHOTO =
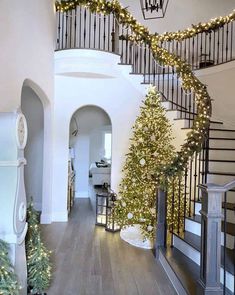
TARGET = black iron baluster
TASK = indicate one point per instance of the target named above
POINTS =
(99, 34)
(71, 27)
(185, 193)
(80, 26)
(89, 37)
(222, 42)
(104, 34)
(231, 44)
(84, 28)
(190, 187)
(59, 29)
(75, 28)
(179, 207)
(109, 26)
(214, 46)
(226, 47)
(62, 31)
(195, 182)
(66, 30)
(209, 46)
(172, 211)
(218, 45)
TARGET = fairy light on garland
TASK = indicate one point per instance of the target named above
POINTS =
(190, 82)
(8, 279)
(38, 257)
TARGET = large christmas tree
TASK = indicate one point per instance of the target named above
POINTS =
(150, 150)
(8, 280)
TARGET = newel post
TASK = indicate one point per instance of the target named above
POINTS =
(211, 215)
(161, 221)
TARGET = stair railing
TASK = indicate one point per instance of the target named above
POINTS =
(213, 256)
(213, 275)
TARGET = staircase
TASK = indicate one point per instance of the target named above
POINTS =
(180, 254)
(181, 258)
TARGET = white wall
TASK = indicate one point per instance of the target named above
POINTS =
(33, 111)
(113, 89)
(221, 87)
(181, 14)
(26, 51)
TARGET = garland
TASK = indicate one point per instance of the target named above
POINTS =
(212, 25)
(190, 82)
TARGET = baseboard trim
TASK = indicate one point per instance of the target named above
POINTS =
(60, 217)
(81, 195)
(45, 218)
(171, 275)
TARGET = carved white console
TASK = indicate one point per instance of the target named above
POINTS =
(13, 226)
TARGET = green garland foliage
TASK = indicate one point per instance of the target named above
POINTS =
(8, 279)
(38, 257)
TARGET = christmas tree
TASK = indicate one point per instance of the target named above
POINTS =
(8, 280)
(38, 257)
(150, 150)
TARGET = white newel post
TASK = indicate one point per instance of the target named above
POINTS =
(13, 226)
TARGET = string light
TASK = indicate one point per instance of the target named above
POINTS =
(190, 82)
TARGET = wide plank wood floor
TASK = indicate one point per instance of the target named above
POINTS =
(90, 261)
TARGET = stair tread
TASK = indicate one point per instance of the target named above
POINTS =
(195, 242)
(221, 138)
(219, 161)
(230, 226)
(185, 269)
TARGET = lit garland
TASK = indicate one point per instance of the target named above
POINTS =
(8, 279)
(207, 27)
(190, 82)
(38, 257)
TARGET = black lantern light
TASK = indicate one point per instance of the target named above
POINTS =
(101, 208)
(153, 8)
(111, 225)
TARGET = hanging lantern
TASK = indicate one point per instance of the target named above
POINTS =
(153, 8)
(111, 225)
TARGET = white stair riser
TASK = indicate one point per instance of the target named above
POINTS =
(194, 255)
(219, 179)
(221, 155)
(222, 143)
(224, 134)
(230, 213)
(195, 228)
(222, 166)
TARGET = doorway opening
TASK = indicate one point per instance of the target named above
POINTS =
(90, 151)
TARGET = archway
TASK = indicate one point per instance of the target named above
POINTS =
(90, 146)
(36, 108)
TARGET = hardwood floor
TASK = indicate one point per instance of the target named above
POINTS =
(90, 261)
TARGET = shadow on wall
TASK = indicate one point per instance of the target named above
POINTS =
(32, 108)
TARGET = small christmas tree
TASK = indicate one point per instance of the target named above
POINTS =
(8, 280)
(38, 257)
(150, 150)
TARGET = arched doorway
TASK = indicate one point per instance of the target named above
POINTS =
(90, 146)
(36, 107)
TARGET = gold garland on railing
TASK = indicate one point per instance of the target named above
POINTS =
(207, 27)
(190, 82)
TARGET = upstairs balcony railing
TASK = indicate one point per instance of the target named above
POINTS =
(79, 28)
